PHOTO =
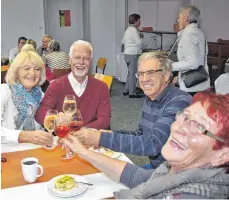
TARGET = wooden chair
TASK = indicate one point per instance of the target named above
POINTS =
(102, 62)
(104, 78)
(57, 73)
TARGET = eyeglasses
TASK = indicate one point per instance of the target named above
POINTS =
(150, 73)
(85, 59)
(197, 127)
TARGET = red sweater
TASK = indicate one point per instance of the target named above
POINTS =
(94, 103)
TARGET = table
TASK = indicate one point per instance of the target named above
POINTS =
(161, 33)
(13, 184)
(121, 70)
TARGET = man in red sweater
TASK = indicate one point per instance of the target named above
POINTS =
(92, 96)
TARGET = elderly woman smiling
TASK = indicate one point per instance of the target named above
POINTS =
(197, 154)
(20, 98)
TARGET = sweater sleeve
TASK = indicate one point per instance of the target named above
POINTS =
(150, 143)
(103, 113)
(133, 175)
(48, 102)
(7, 135)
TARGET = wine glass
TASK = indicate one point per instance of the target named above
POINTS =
(49, 123)
(76, 121)
(62, 129)
(69, 105)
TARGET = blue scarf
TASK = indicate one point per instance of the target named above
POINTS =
(27, 104)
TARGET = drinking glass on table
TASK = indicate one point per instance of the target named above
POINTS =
(69, 105)
(49, 123)
(62, 129)
(76, 121)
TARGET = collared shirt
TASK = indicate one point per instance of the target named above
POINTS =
(78, 88)
(13, 53)
(153, 129)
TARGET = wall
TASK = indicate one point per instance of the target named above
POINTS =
(161, 15)
(107, 26)
(215, 16)
(64, 35)
(21, 18)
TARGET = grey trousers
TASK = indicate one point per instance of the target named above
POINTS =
(132, 64)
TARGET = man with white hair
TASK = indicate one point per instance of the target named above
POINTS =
(192, 48)
(162, 103)
(92, 96)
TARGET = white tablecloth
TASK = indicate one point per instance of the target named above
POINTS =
(121, 69)
(102, 187)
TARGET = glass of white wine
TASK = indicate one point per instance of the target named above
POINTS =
(49, 123)
(69, 105)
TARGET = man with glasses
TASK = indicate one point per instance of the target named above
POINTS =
(162, 103)
(92, 96)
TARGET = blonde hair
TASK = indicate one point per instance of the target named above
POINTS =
(83, 43)
(30, 41)
(28, 47)
(25, 57)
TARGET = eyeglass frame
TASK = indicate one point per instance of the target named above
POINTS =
(204, 131)
(150, 73)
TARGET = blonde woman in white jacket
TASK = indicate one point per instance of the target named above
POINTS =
(192, 49)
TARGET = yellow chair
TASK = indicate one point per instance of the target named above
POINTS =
(104, 78)
(102, 62)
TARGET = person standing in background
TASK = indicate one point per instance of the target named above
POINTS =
(192, 48)
(132, 42)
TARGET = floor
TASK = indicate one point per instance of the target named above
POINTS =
(125, 114)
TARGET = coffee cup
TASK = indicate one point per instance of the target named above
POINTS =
(30, 169)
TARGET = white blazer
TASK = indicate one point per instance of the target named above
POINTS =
(8, 112)
(190, 54)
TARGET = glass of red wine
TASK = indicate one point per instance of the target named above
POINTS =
(76, 121)
(62, 129)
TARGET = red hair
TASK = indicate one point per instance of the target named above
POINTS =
(217, 110)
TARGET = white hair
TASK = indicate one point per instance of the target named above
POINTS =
(165, 62)
(193, 13)
(83, 43)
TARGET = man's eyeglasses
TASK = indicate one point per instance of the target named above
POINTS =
(197, 127)
(150, 73)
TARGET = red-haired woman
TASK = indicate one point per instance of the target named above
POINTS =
(197, 154)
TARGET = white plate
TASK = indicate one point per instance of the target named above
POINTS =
(103, 151)
(81, 188)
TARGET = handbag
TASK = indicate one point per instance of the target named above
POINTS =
(195, 76)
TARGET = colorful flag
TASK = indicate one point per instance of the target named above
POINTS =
(65, 18)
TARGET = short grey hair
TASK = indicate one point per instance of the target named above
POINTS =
(83, 43)
(53, 45)
(165, 62)
(193, 13)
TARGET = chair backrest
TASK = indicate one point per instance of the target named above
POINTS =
(104, 78)
(57, 73)
(102, 62)
(222, 41)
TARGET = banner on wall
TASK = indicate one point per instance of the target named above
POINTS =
(65, 18)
